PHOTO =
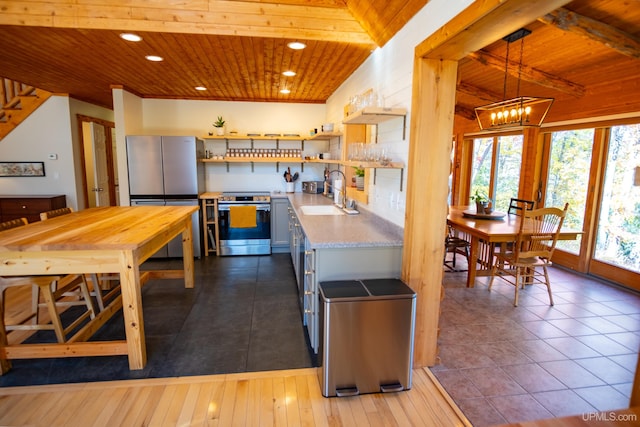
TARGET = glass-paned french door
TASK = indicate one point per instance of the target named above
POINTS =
(618, 231)
(568, 177)
(594, 170)
(482, 165)
(496, 168)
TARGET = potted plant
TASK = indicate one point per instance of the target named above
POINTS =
(482, 202)
(359, 175)
(219, 125)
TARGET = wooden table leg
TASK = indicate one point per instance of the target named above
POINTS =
(132, 310)
(473, 262)
(187, 254)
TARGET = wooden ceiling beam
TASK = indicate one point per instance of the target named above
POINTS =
(612, 37)
(214, 17)
(478, 92)
(466, 112)
(481, 24)
(528, 73)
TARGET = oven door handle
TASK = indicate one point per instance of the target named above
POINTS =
(258, 207)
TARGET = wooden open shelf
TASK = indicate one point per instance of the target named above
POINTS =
(317, 136)
(256, 160)
(374, 115)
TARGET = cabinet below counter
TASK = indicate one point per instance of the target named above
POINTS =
(340, 247)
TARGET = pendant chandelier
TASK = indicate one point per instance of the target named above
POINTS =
(518, 112)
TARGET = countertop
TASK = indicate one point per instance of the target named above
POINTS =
(344, 231)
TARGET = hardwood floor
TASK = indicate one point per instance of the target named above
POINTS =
(270, 398)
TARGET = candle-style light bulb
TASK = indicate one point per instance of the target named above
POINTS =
(527, 112)
(493, 118)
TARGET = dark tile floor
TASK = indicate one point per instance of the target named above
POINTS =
(505, 364)
(242, 316)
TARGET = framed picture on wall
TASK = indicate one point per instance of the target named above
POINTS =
(21, 169)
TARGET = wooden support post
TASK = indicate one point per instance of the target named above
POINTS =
(434, 88)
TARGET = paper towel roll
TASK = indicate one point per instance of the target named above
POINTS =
(337, 191)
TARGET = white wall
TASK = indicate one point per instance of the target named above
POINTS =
(46, 131)
(50, 130)
(187, 117)
(389, 72)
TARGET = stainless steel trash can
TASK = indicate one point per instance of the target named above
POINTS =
(366, 336)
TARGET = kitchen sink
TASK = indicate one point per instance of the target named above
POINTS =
(321, 210)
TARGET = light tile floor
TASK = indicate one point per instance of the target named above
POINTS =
(505, 364)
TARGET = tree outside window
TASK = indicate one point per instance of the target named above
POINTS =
(497, 176)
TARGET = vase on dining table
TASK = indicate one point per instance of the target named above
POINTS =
(480, 207)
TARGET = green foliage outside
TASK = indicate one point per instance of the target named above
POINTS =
(618, 235)
(618, 238)
(508, 164)
(569, 165)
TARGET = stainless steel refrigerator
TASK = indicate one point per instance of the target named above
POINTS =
(166, 171)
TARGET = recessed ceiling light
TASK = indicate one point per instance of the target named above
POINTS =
(285, 91)
(289, 73)
(201, 88)
(154, 58)
(297, 45)
(130, 37)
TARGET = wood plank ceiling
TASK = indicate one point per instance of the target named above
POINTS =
(236, 49)
(586, 55)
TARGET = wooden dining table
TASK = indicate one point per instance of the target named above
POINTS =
(116, 239)
(483, 232)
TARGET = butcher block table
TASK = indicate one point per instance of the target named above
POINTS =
(116, 239)
(484, 232)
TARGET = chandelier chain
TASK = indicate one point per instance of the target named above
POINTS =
(520, 66)
(506, 71)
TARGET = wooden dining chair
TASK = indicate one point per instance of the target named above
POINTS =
(52, 288)
(533, 249)
(54, 213)
(455, 245)
(517, 206)
(8, 225)
(95, 279)
(99, 282)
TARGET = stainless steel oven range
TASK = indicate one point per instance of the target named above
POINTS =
(239, 233)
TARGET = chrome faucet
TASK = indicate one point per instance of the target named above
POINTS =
(343, 190)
